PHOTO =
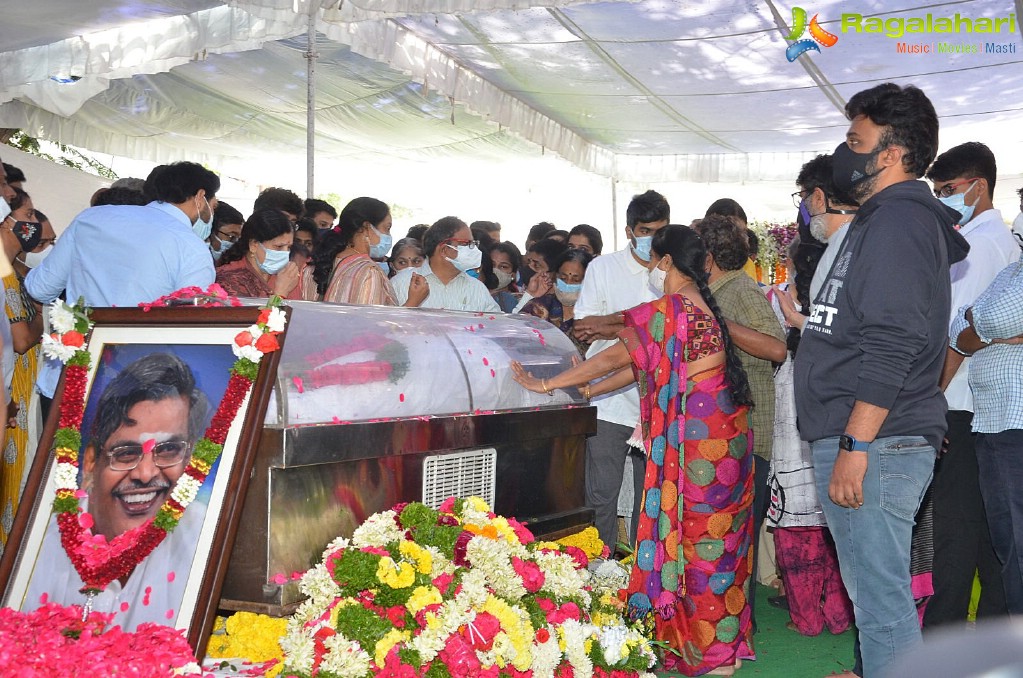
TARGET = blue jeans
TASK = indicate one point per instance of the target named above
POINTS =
(873, 542)
(1000, 462)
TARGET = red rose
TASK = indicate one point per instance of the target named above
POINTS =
(267, 343)
(264, 316)
(73, 338)
(244, 338)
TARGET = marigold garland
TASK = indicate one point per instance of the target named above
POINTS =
(98, 561)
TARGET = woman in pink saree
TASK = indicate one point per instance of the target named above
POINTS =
(693, 547)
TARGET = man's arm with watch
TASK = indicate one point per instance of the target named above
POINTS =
(846, 487)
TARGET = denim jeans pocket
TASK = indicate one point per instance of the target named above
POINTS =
(906, 464)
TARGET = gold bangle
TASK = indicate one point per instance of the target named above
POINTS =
(586, 391)
(543, 385)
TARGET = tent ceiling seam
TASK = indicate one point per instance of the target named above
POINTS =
(656, 100)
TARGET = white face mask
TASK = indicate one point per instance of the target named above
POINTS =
(656, 279)
(202, 227)
(503, 278)
(33, 259)
(469, 257)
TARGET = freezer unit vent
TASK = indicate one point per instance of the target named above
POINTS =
(463, 474)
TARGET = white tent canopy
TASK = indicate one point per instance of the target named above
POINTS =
(648, 91)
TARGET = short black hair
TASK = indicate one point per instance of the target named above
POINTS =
(314, 206)
(551, 250)
(816, 173)
(225, 214)
(647, 208)
(908, 120)
(120, 196)
(151, 378)
(14, 174)
(442, 229)
(539, 231)
(727, 207)
(972, 159)
(180, 181)
(417, 232)
(275, 198)
(483, 237)
(591, 234)
(488, 226)
(725, 240)
(307, 225)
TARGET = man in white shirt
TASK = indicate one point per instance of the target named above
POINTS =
(450, 252)
(964, 178)
(614, 283)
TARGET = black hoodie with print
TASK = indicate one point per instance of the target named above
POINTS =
(879, 329)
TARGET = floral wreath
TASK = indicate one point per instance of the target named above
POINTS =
(98, 561)
(390, 363)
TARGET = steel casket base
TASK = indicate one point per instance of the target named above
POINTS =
(311, 484)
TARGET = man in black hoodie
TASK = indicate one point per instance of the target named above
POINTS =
(868, 368)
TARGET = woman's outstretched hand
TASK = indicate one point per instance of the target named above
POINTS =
(525, 379)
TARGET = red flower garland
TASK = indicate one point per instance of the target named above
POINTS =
(97, 560)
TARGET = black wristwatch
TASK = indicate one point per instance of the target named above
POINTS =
(849, 444)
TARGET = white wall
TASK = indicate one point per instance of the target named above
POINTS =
(60, 192)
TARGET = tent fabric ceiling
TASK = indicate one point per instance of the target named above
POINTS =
(649, 90)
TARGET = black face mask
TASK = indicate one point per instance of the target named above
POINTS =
(849, 168)
(29, 233)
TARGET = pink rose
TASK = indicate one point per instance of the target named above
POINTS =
(531, 574)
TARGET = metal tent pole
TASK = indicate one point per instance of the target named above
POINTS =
(310, 128)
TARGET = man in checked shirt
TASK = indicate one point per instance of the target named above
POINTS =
(991, 330)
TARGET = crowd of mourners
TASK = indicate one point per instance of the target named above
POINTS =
(852, 438)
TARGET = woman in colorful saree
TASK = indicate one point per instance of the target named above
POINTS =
(693, 556)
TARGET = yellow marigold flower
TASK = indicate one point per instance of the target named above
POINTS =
(384, 645)
(478, 504)
(199, 465)
(423, 596)
(500, 524)
(519, 632)
(66, 453)
(588, 540)
(588, 645)
(250, 636)
(422, 558)
(395, 575)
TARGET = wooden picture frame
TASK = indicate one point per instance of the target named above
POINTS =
(200, 338)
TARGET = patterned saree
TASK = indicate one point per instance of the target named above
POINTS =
(693, 548)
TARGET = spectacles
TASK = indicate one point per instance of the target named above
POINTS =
(472, 244)
(798, 198)
(950, 189)
(168, 453)
(227, 237)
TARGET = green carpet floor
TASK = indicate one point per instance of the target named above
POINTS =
(782, 653)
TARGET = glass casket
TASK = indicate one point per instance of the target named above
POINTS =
(376, 405)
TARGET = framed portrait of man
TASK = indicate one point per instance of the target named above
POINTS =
(155, 381)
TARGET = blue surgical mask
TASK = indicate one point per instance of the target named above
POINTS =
(200, 226)
(958, 203)
(382, 248)
(385, 267)
(474, 273)
(225, 245)
(642, 246)
(275, 260)
(565, 293)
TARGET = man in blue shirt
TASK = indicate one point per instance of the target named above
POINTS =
(124, 255)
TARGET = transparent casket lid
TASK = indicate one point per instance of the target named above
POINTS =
(344, 364)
